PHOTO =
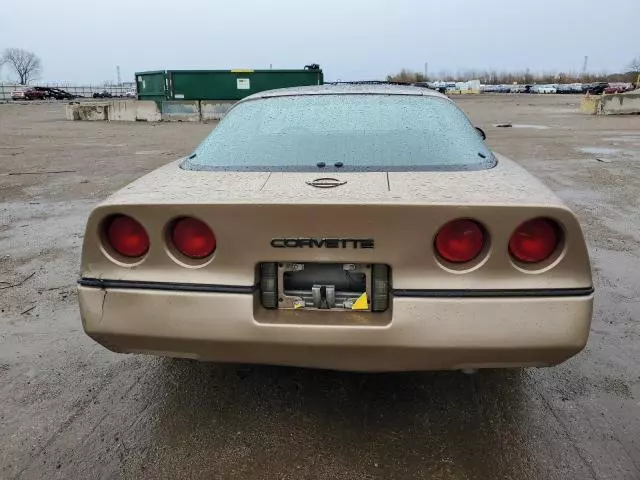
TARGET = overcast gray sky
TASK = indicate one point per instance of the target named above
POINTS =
(84, 40)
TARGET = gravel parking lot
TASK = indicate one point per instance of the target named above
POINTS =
(71, 409)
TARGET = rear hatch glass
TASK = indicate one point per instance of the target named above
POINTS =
(355, 132)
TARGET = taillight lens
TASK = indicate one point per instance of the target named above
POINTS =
(127, 237)
(534, 240)
(460, 241)
(193, 238)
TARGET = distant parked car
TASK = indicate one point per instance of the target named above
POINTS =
(103, 94)
(130, 94)
(33, 94)
(569, 88)
(518, 89)
(60, 94)
(18, 94)
(596, 88)
(576, 88)
(451, 87)
(610, 90)
(55, 93)
(618, 88)
(27, 94)
(544, 89)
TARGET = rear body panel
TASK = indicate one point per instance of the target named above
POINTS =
(416, 334)
(403, 236)
(402, 218)
(506, 184)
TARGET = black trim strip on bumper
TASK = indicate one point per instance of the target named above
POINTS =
(198, 287)
(543, 292)
(166, 286)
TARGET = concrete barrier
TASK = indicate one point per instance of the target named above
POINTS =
(621, 104)
(181, 111)
(68, 111)
(134, 110)
(590, 104)
(114, 110)
(122, 110)
(87, 111)
(213, 111)
(147, 111)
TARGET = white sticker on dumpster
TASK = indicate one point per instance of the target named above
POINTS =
(179, 95)
(243, 84)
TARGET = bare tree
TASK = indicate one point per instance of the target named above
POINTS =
(26, 64)
(634, 65)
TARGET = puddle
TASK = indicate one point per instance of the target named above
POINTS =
(522, 125)
(600, 150)
(630, 138)
(105, 145)
(534, 127)
(149, 152)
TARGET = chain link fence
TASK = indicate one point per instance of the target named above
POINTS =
(81, 91)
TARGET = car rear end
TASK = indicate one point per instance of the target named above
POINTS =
(375, 268)
(18, 94)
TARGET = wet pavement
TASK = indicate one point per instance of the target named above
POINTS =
(71, 409)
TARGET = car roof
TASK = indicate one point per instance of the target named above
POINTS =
(348, 89)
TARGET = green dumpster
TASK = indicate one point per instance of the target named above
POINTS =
(219, 84)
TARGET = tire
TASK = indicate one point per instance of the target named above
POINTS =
(379, 288)
(269, 285)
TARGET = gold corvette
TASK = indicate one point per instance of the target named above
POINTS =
(365, 228)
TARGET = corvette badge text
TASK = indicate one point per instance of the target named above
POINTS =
(322, 243)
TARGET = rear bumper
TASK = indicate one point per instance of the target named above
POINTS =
(415, 334)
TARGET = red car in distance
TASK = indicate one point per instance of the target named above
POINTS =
(27, 94)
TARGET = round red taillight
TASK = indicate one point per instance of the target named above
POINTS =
(460, 241)
(193, 238)
(126, 236)
(534, 240)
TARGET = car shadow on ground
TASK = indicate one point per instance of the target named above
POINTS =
(275, 419)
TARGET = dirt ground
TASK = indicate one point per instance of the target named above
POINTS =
(71, 409)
